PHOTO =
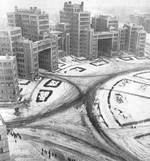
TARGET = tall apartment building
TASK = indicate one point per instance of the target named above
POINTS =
(133, 38)
(79, 21)
(80, 34)
(27, 59)
(33, 22)
(67, 13)
(104, 23)
(8, 36)
(4, 149)
(9, 90)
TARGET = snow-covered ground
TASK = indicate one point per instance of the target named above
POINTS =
(143, 75)
(55, 93)
(125, 100)
(130, 100)
(26, 87)
(71, 65)
(41, 97)
(21, 150)
(83, 67)
(121, 107)
(86, 73)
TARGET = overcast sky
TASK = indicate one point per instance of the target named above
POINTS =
(56, 5)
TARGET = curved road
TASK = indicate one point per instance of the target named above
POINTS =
(124, 155)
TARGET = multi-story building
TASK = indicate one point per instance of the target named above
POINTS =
(147, 49)
(27, 59)
(133, 39)
(79, 43)
(61, 41)
(4, 149)
(63, 27)
(34, 55)
(107, 43)
(147, 45)
(79, 30)
(104, 22)
(92, 45)
(142, 20)
(66, 14)
(137, 19)
(33, 22)
(8, 36)
(64, 37)
(48, 53)
(122, 37)
(9, 90)
(146, 24)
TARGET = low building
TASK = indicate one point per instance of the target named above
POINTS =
(4, 149)
(8, 36)
(9, 90)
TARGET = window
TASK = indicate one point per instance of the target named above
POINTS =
(1, 150)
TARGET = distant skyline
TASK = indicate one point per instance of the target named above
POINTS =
(53, 6)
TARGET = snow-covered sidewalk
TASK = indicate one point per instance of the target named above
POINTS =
(42, 97)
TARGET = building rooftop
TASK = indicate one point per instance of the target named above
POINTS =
(103, 33)
(9, 28)
(31, 10)
(6, 58)
(63, 23)
(133, 25)
(24, 40)
(111, 16)
(142, 31)
(55, 32)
